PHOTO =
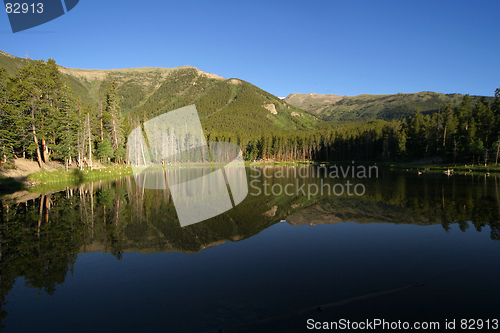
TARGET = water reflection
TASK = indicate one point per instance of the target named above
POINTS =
(42, 234)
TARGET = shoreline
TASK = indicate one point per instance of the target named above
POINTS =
(24, 174)
(27, 176)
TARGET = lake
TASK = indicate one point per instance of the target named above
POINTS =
(392, 246)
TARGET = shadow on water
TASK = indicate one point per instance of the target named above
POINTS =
(78, 175)
(10, 185)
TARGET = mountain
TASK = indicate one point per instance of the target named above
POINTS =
(12, 63)
(233, 105)
(312, 102)
(224, 105)
(364, 107)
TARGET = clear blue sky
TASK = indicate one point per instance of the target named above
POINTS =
(336, 47)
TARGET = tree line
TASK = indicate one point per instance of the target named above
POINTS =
(40, 118)
(465, 133)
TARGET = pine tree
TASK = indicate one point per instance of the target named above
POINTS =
(450, 123)
(68, 128)
(7, 130)
(112, 115)
(105, 150)
(27, 95)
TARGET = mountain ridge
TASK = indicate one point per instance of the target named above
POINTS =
(366, 107)
(80, 72)
(224, 105)
(150, 91)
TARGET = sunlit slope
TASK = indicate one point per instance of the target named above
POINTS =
(223, 104)
(231, 105)
(369, 107)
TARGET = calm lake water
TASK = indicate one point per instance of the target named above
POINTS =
(112, 257)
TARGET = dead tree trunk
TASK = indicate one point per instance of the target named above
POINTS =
(38, 154)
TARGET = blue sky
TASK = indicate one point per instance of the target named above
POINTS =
(335, 47)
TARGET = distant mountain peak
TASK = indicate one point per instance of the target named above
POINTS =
(311, 100)
(367, 107)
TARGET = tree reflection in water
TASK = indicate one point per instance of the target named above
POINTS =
(42, 234)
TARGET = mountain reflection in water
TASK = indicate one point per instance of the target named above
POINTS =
(43, 235)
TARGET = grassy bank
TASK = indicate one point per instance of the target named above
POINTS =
(291, 163)
(414, 166)
(442, 167)
(77, 175)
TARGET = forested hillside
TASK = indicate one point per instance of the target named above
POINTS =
(467, 133)
(223, 105)
(48, 112)
(51, 112)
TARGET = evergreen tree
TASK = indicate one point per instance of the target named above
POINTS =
(105, 150)
(450, 123)
(112, 118)
(68, 128)
(27, 96)
(7, 128)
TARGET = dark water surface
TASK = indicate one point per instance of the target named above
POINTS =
(112, 257)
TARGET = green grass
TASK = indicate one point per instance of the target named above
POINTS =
(442, 167)
(77, 175)
(9, 167)
(291, 163)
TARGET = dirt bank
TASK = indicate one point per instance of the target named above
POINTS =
(23, 168)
